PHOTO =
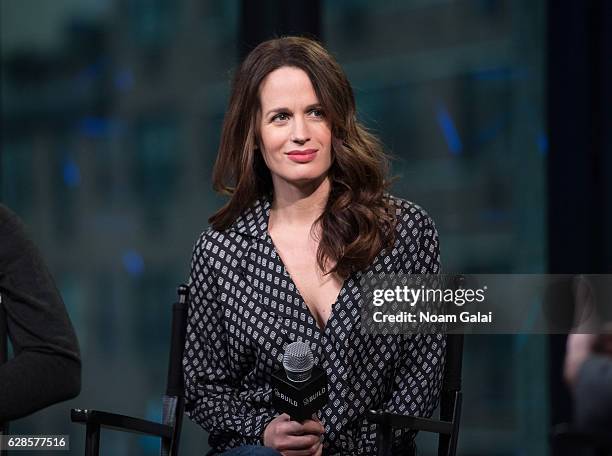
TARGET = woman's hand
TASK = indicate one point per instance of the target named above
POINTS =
(292, 438)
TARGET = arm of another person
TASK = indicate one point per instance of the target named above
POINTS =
(46, 367)
(214, 398)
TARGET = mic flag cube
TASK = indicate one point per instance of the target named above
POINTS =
(300, 400)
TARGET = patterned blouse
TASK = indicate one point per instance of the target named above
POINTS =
(244, 309)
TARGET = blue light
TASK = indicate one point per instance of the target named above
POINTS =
(93, 127)
(542, 141)
(450, 132)
(133, 263)
(124, 80)
(93, 70)
(71, 173)
(492, 130)
(98, 127)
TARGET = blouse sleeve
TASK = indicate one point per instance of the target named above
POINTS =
(214, 399)
(418, 381)
(418, 378)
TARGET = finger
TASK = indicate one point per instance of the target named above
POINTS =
(301, 442)
(315, 447)
(307, 427)
(292, 427)
(313, 427)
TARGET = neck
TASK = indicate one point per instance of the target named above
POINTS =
(293, 206)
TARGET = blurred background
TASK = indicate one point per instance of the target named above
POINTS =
(494, 112)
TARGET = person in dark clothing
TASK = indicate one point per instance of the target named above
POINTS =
(46, 367)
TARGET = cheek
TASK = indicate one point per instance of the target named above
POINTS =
(270, 150)
(325, 138)
(272, 141)
(324, 133)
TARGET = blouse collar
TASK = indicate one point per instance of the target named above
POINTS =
(254, 220)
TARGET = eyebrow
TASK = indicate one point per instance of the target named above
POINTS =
(308, 108)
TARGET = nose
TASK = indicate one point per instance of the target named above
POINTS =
(299, 132)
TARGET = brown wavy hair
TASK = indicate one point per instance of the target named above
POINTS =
(358, 220)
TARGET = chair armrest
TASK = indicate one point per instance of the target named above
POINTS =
(120, 422)
(566, 434)
(412, 422)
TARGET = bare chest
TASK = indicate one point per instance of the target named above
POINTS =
(318, 291)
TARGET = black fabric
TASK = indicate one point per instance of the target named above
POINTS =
(593, 394)
(46, 367)
(244, 309)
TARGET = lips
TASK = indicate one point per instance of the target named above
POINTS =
(302, 156)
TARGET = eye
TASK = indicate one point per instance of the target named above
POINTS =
(281, 116)
(317, 112)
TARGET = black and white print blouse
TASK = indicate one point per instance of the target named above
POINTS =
(244, 309)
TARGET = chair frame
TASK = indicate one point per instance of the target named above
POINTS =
(174, 403)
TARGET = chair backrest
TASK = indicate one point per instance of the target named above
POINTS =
(454, 363)
(450, 398)
(173, 401)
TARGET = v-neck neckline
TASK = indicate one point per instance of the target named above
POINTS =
(303, 306)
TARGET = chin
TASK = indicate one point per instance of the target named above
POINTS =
(302, 179)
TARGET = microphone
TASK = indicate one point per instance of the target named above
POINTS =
(300, 387)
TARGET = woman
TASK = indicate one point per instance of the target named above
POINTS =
(281, 262)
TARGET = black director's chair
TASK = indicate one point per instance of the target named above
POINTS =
(173, 401)
(450, 408)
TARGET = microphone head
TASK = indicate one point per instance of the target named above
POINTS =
(298, 361)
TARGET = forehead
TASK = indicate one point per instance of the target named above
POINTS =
(285, 87)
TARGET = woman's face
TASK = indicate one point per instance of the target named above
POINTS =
(294, 132)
